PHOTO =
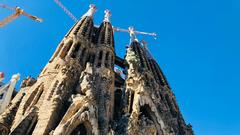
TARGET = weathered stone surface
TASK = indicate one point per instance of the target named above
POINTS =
(78, 91)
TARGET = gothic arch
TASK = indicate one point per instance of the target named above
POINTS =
(76, 50)
(78, 118)
(149, 118)
(28, 124)
(66, 48)
(83, 128)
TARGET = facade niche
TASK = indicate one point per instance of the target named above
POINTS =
(83, 54)
(131, 101)
(92, 58)
(102, 37)
(57, 66)
(65, 49)
(117, 103)
(75, 51)
(145, 112)
(32, 126)
(99, 59)
(109, 36)
(140, 56)
(107, 60)
(86, 27)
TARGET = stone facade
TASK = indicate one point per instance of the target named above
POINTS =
(78, 91)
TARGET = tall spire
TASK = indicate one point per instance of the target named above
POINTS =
(91, 11)
(107, 15)
(132, 35)
(105, 34)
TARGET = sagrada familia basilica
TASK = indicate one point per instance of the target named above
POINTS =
(79, 92)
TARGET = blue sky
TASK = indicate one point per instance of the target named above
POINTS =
(198, 49)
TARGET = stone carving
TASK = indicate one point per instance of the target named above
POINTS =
(29, 81)
(79, 92)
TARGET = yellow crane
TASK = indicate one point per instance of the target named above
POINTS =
(18, 12)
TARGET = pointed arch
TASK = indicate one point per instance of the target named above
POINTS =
(83, 128)
(76, 50)
(100, 59)
(149, 117)
(66, 48)
(27, 124)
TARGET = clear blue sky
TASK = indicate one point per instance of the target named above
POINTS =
(198, 49)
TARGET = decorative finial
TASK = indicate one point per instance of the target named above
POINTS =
(107, 15)
(132, 34)
(91, 11)
(15, 77)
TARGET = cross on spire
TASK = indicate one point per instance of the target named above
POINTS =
(107, 15)
(132, 33)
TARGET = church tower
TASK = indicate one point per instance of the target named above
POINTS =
(92, 106)
(79, 92)
(149, 100)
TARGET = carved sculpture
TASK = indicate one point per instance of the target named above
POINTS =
(78, 91)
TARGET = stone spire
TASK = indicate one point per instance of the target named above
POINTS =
(91, 11)
(139, 52)
(78, 91)
(85, 25)
(154, 67)
(140, 86)
(106, 31)
(144, 44)
(96, 88)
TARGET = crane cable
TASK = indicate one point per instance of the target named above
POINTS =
(66, 10)
(114, 28)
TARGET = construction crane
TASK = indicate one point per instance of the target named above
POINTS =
(18, 12)
(116, 29)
